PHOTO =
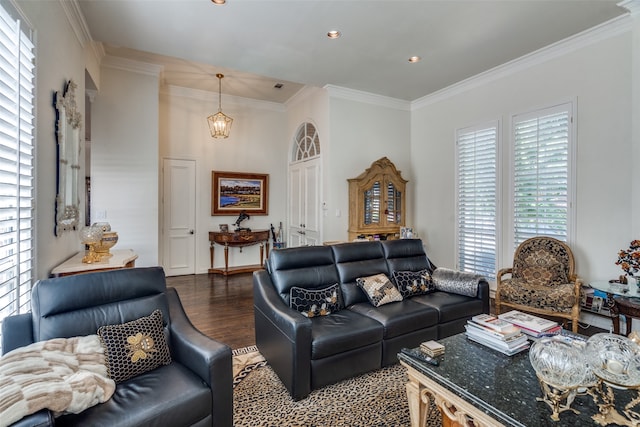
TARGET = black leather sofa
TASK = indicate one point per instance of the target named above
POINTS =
(195, 389)
(309, 353)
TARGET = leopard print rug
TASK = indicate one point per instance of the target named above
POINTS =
(374, 399)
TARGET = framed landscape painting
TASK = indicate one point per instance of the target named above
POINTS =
(233, 192)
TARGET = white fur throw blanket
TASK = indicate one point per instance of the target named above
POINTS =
(63, 375)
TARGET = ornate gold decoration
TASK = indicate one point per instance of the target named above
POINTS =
(140, 346)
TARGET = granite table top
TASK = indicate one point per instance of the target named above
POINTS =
(504, 387)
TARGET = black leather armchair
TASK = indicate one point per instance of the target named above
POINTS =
(194, 390)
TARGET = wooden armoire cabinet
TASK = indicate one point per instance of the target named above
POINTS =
(377, 202)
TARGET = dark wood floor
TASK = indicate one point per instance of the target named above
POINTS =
(221, 308)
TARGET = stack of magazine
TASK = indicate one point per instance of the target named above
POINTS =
(497, 334)
(533, 326)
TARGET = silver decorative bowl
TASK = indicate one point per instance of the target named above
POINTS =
(614, 359)
(558, 362)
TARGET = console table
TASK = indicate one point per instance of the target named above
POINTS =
(120, 258)
(238, 239)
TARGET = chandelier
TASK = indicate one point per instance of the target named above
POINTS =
(219, 123)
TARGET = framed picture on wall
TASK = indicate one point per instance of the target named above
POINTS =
(233, 192)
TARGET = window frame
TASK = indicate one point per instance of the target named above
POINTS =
(570, 106)
(20, 130)
(496, 125)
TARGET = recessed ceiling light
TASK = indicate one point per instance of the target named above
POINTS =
(218, 1)
(414, 59)
(334, 34)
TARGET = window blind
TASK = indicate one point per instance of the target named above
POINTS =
(541, 173)
(476, 199)
(17, 67)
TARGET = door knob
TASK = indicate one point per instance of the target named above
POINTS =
(191, 231)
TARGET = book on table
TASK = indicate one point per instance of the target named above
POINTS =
(507, 339)
(489, 321)
(508, 346)
(530, 324)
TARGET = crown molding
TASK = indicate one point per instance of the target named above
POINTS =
(76, 20)
(301, 95)
(633, 6)
(207, 96)
(367, 98)
(585, 38)
(132, 66)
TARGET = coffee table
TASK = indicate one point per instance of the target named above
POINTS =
(474, 381)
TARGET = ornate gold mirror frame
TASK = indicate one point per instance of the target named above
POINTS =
(68, 126)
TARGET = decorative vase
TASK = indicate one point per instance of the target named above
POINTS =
(91, 237)
(633, 280)
(108, 240)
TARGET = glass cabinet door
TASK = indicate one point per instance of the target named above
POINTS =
(372, 204)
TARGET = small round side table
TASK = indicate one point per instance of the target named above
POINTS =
(621, 299)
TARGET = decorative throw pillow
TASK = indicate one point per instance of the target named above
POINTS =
(316, 302)
(548, 275)
(379, 289)
(134, 347)
(412, 283)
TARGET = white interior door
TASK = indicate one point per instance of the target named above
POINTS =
(179, 207)
(304, 217)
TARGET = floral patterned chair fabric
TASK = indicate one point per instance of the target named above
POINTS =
(542, 281)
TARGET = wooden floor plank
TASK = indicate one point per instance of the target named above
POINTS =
(221, 307)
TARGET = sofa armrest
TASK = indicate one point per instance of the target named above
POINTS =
(209, 359)
(463, 283)
(287, 320)
(283, 336)
(17, 331)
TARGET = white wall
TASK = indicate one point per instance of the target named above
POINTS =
(124, 158)
(361, 133)
(257, 144)
(599, 77)
(60, 57)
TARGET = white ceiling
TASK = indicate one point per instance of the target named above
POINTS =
(257, 43)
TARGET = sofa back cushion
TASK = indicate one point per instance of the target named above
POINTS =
(354, 260)
(405, 255)
(78, 305)
(308, 267)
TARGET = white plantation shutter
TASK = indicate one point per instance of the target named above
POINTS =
(476, 199)
(541, 173)
(17, 67)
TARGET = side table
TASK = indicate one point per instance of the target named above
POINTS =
(238, 239)
(630, 308)
(621, 299)
(120, 258)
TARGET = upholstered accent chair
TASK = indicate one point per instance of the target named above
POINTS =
(542, 281)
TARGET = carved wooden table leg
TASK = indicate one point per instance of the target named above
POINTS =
(226, 259)
(211, 253)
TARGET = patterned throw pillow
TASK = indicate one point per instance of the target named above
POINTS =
(316, 302)
(134, 347)
(379, 289)
(412, 283)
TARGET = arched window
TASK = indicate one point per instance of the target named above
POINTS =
(307, 143)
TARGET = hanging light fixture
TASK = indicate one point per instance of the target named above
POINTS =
(219, 124)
